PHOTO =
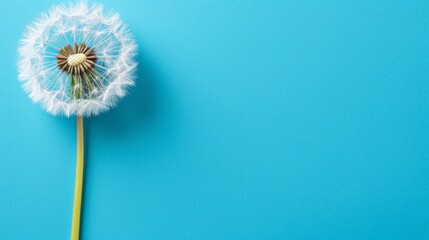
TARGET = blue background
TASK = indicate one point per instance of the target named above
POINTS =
(250, 120)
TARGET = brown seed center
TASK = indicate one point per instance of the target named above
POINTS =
(77, 60)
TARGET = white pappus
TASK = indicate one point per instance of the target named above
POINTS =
(77, 60)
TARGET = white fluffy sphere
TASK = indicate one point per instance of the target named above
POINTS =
(90, 75)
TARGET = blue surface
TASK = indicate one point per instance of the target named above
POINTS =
(250, 120)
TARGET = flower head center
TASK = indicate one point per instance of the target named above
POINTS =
(76, 59)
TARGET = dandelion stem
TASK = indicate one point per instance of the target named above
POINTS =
(78, 183)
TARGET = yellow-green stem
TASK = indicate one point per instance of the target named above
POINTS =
(78, 183)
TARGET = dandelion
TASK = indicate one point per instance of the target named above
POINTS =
(76, 60)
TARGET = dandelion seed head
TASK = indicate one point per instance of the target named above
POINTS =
(77, 60)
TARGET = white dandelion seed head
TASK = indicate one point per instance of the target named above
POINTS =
(90, 75)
